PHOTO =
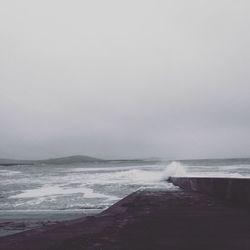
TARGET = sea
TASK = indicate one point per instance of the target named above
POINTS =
(36, 195)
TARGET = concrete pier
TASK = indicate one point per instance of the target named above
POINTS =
(234, 190)
(148, 220)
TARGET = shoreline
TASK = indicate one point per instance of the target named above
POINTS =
(148, 219)
(17, 221)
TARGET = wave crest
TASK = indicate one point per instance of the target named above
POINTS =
(175, 169)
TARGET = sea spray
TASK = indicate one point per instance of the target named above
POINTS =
(175, 168)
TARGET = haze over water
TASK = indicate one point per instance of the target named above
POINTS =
(124, 79)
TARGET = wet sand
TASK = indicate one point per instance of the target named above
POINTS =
(149, 219)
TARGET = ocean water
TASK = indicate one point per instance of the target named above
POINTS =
(33, 195)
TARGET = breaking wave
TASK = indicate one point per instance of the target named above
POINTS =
(67, 187)
(174, 169)
(178, 169)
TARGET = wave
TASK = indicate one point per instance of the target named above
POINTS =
(177, 169)
(49, 190)
(84, 188)
(111, 169)
(4, 172)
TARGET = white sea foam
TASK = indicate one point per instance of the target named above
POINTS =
(111, 169)
(73, 187)
(61, 188)
(177, 169)
(48, 190)
(4, 172)
(174, 169)
(133, 176)
(234, 167)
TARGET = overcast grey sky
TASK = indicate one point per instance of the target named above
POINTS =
(132, 78)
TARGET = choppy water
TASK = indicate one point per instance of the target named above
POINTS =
(67, 187)
(67, 191)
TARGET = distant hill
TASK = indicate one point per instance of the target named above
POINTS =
(70, 159)
(61, 160)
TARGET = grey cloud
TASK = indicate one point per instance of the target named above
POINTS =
(124, 79)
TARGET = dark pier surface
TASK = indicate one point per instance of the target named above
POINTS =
(234, 190)
(149, 219)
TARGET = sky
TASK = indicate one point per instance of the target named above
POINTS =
(125, 79)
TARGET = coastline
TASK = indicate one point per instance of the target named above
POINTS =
(147, 219)
(16, 221)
